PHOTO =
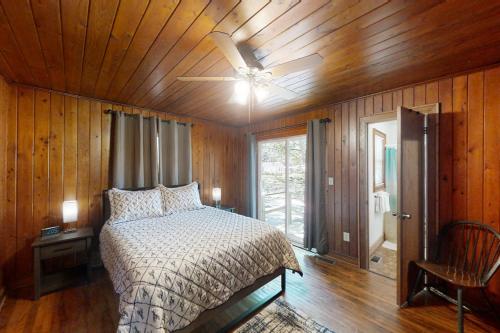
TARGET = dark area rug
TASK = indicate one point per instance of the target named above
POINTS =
(280, 316)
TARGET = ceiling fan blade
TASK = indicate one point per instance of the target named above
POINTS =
(295, 65)
(206, 78)
(285, 93)
(229, 49)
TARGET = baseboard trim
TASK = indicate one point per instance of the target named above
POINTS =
(345, 259)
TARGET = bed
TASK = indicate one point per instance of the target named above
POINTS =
(175, 272)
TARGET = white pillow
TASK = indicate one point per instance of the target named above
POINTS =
(179, 199)
(134, 205)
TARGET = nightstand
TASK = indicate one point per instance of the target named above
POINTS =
(226, 208)
(76, 243)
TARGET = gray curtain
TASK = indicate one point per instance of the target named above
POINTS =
(134, 151)
(252, 176)
(315, 231)
(175, 153)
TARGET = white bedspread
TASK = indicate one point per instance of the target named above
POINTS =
(168, 270)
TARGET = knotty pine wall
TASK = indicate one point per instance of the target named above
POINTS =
(56, 147)
(4, 105)
(469, 178)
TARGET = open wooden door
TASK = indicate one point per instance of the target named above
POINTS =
(410, 196)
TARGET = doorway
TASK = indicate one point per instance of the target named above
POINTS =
(416, 191)
(382, 199)
(281, 184)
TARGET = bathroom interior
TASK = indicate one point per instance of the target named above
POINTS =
(382, 182)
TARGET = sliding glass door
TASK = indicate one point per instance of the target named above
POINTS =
(281, 185)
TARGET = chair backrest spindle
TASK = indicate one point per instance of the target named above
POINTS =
(472, 250)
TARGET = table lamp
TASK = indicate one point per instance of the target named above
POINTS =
(216, 196)
(70, 214)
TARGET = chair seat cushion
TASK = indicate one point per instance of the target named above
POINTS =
(452, 275)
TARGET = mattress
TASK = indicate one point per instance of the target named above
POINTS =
(168, 270)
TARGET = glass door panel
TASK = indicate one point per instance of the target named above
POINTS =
(282, 184)
(272, 183)
(296, 187)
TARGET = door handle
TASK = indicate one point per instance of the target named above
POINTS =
(405, 216)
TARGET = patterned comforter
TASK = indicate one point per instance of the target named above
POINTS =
(168, 270)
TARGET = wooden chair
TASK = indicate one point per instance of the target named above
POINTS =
(468, 256)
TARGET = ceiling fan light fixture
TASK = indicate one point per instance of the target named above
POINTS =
(254, 83)
(241, 91)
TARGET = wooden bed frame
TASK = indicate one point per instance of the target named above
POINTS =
(208, 315)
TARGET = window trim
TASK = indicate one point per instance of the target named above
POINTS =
(280, 133)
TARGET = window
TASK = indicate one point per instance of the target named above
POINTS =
(281, 184)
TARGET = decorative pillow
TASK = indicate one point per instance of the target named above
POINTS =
(179, 199)
(134, 205)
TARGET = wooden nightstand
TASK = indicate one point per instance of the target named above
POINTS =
(227, 208)
(75, 243)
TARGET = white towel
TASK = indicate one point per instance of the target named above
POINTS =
(386, 202)
(378, 203)
(382, 202)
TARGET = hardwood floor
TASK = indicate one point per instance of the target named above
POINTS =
(340, 296)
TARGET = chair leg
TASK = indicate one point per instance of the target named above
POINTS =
(415, 286)
(460, 313)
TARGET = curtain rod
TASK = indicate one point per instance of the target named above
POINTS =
(109, 111)
(322, 120)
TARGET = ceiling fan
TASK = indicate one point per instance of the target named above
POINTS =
(254, 81)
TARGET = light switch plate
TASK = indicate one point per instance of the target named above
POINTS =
(346, 237)
(330, 180)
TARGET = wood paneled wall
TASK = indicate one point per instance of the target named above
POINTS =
(4, 105)
(469, 157)
(56, 147)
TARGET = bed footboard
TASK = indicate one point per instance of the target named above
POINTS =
(208, 315)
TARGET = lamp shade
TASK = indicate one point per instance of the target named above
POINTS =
(70, 211)
(216, 194)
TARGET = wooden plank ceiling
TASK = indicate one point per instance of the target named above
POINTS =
(131, 51)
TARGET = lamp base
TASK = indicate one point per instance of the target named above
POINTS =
(217, 204)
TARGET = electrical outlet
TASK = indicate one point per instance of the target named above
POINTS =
(346, 237)
(330, 180)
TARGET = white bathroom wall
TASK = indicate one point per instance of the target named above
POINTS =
(376, 220)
